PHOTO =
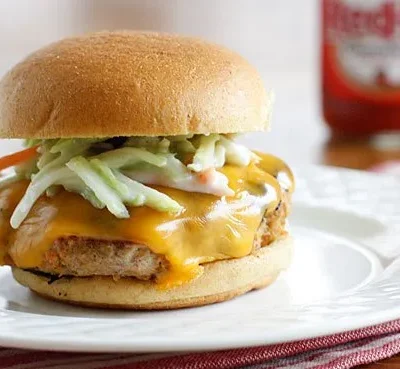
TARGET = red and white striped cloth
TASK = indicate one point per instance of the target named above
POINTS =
(344, 350)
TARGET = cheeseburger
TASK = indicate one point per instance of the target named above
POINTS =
(133, 191)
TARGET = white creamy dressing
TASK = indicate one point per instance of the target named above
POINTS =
(210, 182)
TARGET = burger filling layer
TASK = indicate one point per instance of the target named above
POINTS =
(187, 199)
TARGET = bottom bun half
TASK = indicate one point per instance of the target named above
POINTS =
(221, 281)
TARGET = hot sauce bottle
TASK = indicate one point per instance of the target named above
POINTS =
(361, 66)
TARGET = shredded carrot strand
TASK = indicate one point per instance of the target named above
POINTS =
(17, 158)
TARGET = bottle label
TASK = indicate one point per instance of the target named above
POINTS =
(362, 47)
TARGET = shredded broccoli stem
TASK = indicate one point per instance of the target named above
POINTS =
(99, 169)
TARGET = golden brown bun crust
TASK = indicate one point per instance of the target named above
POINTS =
(221, 281)
(131, 84)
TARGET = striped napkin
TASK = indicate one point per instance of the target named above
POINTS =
(344, 350)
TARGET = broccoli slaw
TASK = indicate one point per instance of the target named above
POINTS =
(115, 173)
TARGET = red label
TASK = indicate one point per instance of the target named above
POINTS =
(349, 20)
(361, 51)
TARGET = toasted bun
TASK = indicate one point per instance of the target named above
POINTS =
(131, 84)
(221, 280)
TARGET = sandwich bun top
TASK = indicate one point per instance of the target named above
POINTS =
(131, 84)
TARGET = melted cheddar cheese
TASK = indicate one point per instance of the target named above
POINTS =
(210, 228)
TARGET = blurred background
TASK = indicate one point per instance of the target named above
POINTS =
(281, 38)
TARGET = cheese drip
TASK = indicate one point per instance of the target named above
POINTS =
(210, 228)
